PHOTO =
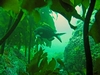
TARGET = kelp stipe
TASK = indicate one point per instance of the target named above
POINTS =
(89, 66)
(12, 28)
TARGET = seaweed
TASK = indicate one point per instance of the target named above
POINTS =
(39, 65)
(89, 66)
(3, 44)
(95, 29)
(11, 30)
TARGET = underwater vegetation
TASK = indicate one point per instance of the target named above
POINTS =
(39, 65)
(75, 51)
(88, 56)
(94, 31)
(19, 19)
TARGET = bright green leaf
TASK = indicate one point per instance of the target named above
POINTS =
(52, 64)
(85, 3)
(77, 2)
(95, 29)
(97, 5)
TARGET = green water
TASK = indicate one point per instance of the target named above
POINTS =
(25, 49)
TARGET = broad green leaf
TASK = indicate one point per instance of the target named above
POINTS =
(97, 5)
(77, 2)
(30, 5)
(95, 29)
(52, 64)
(10, 5)
(68, 2)
(72, 1)
(97, 17)
(33, 65)
(67, 5)
(85, 3)
(57, 7)
(43, 62)
(76, 15)
(36, 16)
(95, 33)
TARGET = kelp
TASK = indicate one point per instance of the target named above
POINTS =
(89, 65)
(3, 44)
(39, 65)
(12, 28)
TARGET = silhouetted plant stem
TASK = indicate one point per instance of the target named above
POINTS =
(25, 51)
(2, 48)
(12, 28)
(3, 44)
(89, 65)
(30, 40)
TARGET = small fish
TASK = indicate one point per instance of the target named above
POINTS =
(47, 32)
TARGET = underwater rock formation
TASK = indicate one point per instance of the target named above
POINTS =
(74, 55)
